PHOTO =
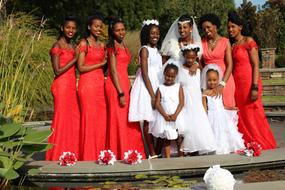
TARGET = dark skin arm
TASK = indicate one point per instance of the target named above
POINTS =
(253, 55)
(229, 68)
(57, 69)
(144, 70)
(165, 59)
(82, 67)
(115, 78)
(204, 102)
(180, 105)
(159, 107)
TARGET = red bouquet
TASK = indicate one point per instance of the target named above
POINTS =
(67, 159)
(132, 157)
(106, 157)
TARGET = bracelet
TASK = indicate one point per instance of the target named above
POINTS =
(222, 83)
(121, 94)
(254, 87)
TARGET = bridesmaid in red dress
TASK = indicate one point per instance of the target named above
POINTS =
(121, 134)
(252, 121)
(91, 92)
(66, 119)
(217, 50)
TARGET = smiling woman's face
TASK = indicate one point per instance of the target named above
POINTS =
(184, 30)
(69, 29)
(209, 29)
(119, 31)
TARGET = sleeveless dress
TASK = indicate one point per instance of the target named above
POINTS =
(121, 134)
(169, 101)
(198, 133)
(140, 100)
(66, 119)
(252, 120)
(224, 124)
(217, 56)
(93, 105)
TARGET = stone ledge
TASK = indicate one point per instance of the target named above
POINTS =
(275, 114)
(278, 104)
(184, 167)
(272, 70)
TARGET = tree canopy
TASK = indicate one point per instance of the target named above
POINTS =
(133, 12)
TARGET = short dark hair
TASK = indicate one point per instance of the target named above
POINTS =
(170, 66)
(145, 34)
(68, 19)
(212, 70)
(210, 17)
(96, 16)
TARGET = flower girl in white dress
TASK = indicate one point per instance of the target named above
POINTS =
(198, 136)
(142, 96)
(223, 122)
(169, 120)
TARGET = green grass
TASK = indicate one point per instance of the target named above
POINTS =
(274, 82)
(25, 70)
(273, 98)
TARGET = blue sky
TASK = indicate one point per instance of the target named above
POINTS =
(255, 2)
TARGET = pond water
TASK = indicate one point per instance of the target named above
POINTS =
(157, 182)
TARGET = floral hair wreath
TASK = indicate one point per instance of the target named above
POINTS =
(190, 47)
(148, 22)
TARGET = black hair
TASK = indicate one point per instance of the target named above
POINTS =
(236, 19)
(210, 17)
(196, 50)
(145, 34)
(186, 18)
(112, 22)
(170, 66)
(96, 16)
(212, 70)
(65, 21)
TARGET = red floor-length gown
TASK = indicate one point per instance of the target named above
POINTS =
(217, 56)
(252, 121)
(66, 118)
(121, 134)
(91, 93)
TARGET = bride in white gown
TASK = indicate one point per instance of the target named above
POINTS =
(182, 32)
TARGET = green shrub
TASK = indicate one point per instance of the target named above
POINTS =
(280, 61)
(25, 70)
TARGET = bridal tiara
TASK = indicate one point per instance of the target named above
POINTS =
(148, 22)
(184, 22)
